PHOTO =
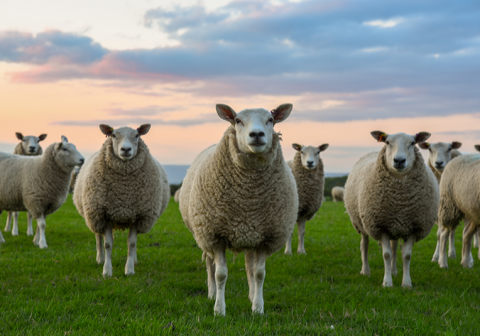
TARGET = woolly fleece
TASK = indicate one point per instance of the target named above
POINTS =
(239, 201)
(338, 193)
(378, 202)
(176, 197)
(109, 190)
(310, 184)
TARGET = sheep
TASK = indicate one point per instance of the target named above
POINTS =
(176, 197)
(459, 199)
(338, 193)
(121, 187)
(389, 195)
(73, 179)
(307, 168)
(440, 154)
(28, 146)
(38, 184)
(241, 195)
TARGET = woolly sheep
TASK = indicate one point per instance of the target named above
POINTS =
(338, 193)
(459, 199)
(240, 195)
(38, 184)
(28, 146)
(390, 195)
(73, 179)
(307, 168)
(440, 154)
(121, 187)
(176, 197)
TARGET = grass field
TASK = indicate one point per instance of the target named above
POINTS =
(60, 290)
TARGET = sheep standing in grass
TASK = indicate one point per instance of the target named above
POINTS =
(38, 184)
(121, 187)
(176, 197)
(459, 198)
(338, 194)
(391, 195)
(241, 195)
(28, 146)
(307, 168)
(440, 154)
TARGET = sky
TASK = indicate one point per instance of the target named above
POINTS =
(348, 68)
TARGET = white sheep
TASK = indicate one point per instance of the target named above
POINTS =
(338, 194)
(121, 187)
(307, 168)
(38, 184)
(176, 197)
(391, 195)
(440, 154)
(241, 195)
(28, 146)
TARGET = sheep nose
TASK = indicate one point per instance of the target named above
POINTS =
(400, 160)
(257, 134)
(438, 163)
(32, 148)
(310, 163)
(82, 161)
(126, 149)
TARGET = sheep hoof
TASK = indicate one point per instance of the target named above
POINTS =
(452, 255)
(435, 259)
(219, 311)
(43, 246)
(129, 272)
(257, 310)
(14, 233)
(29, 233)
(288, 252)
(387, 283)
(302, 252)
(467, 263)
(365, 272)
(407, 284)
(100, 260)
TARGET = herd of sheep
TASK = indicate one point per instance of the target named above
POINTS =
(242, 195)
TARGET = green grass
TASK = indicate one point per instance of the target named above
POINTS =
(60, 290)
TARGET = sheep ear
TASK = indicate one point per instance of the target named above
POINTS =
(379, 136)
(297, 147)
(422, 137)
(19, 135)
(281, 113)
(42, 137)
(143, 129)
(424, 145)
(456, 145)
(64, 138)
(225, 112)
(477, 147)
(323, 147)
(107, 130)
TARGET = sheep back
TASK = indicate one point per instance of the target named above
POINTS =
(121, 193)
(310, 185)
(378, 202)
(238, 201)
(459, 191)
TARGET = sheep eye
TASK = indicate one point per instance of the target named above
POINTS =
(238, 121)
(449, 150)
(65, 150)
(412, 144)
(113, 135)
(387, 142)
(270, 120)
(136, 136)
(430, 150)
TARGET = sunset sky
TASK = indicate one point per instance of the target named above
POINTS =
(348, 67)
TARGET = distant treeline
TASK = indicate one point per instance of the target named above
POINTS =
(330, 182)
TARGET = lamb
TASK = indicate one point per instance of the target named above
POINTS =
(307, 168)
(338, 194)
(389, 195)
(121, 187)
(38, 184)
(176, 197)
(28, 146)
(440, 154)
(73, 179)
(241, 195)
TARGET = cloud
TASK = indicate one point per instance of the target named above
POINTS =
(144, 111)
(384, 23)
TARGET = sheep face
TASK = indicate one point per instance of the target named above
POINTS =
(400, 152)
(66, 155)
(310, 155)
(440, 153)
(125, 140)
(254, 127)
(30, 143)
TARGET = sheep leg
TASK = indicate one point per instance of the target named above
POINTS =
(132, 250)
(394, 245)
(442, 260)
(301, 236)
(467, 258)
(288, 246)
(437, 248)
(221, 274)
(108, 238)
(364, 250)
(2, 240)
(37, 235)
(30, 226)
(212, 287)
(41, 225)
(249, 268)
(407, 257)
(475, 239)
(15, 223)
(387, 260)
(259, 274)
(452, 252)
(100, 251)
(8, 227)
